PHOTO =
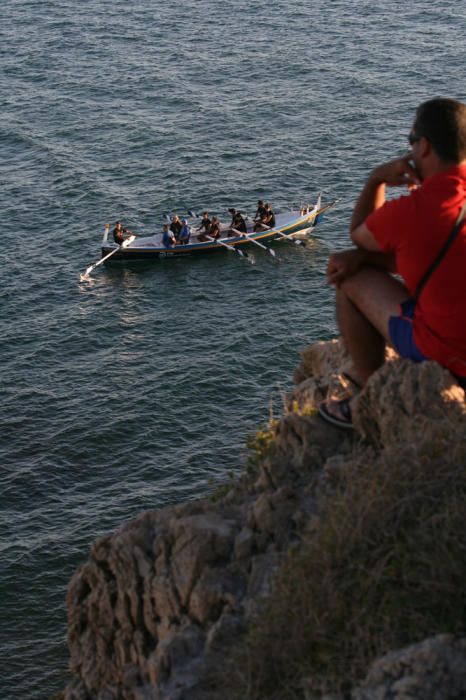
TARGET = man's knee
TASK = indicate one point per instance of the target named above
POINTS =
(363, 281)
(376, 294)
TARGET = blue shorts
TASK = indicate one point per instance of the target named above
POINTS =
(400, 330)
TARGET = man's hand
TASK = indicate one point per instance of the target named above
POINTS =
(343, 265)
(396, 173)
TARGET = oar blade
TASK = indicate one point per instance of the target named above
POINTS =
(85, 276)
(127, 241)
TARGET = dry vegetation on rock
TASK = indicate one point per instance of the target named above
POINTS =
(385, 567)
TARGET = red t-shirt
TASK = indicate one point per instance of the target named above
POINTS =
(415, 227)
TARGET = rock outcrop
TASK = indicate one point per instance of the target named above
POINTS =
(158, 604)
(434, 668)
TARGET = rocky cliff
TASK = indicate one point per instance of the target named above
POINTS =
(162, 605)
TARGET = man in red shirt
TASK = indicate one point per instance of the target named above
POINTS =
(405, 235)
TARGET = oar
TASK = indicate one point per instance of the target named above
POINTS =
(288, 237)
(241, 253)
(106, 257)
(253, 240)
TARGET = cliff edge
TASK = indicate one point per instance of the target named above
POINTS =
(304, 577)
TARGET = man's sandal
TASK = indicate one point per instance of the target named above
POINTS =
(342, 416)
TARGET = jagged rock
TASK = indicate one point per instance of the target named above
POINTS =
(158, 601)
(320, 361)
(244, 543)
(214, 591)
(226, 628)
(434, 669)
(200, 540)
(402, 399)
(304, 442)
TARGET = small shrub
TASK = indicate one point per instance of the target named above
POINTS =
(261, 445)
(303, 409)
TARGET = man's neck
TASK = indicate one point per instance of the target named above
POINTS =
(435, 166)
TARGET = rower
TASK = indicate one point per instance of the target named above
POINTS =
(270, 221)
(260, 210)
(262, 224)
(185, 233)
(205, 222)
(176, 226)
(118, 233)
(208, 227)
(237, 223)
(214, 231)
(168, 237)
(232, 211)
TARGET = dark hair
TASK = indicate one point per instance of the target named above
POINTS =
(443, 122)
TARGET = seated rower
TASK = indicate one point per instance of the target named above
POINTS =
(232, 211)
(237, 223)
(212, 232)
(118, 233)
(270, 221)
(205, 222)
(262, 225)
(176, 226)
(260, 210)
(185, 233)
(168, 237)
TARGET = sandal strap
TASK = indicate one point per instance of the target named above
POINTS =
(345, 409)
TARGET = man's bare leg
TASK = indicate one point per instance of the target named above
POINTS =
(365, 345)
(365, 302)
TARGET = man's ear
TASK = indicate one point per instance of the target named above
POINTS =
(425, 147)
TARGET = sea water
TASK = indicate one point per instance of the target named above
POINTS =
(139, 388)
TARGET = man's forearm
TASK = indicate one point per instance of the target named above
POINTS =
(371, 198)
(395, 173)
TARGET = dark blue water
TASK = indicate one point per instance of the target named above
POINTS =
(138, 389)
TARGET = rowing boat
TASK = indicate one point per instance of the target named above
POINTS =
(291, 225)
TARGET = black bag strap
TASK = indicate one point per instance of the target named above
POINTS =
(441, 254)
